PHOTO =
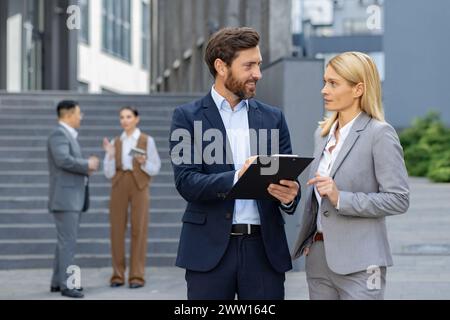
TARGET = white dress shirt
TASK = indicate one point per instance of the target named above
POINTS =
(329, 157)
(151, 166)
(71, 130)
(236, 126)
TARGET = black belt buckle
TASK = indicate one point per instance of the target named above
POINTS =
(244, 229)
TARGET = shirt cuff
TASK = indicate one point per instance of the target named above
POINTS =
(337, 205)
(236, 177)
(287, 206)
(144, 168)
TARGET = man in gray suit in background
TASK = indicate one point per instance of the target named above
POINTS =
(68, 191)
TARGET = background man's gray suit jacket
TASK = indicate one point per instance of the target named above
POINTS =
(67, 170)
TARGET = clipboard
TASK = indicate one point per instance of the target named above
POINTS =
(266, 170)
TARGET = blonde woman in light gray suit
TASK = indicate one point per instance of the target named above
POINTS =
(357, 179)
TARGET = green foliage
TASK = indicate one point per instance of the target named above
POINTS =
(412, 135)
(439, 169)
(417, 159)
(426, 145)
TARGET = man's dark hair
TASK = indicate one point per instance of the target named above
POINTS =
(130, 108)
(226, 43)
(66, 106)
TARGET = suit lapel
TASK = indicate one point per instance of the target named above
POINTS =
(73, 141)
(359, 125)
(255, 123)
(348, 144)
(211, 113)
(321, 144)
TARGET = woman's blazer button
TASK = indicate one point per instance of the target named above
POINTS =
(326, 213)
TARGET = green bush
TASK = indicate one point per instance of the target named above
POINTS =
(439, 169)
(417, 160)
(437, 138)
(426, 145)
(412, 135)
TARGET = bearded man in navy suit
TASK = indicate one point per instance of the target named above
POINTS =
(231, 247)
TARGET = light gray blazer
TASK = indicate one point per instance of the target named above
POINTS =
(67, 172)
(371, 176)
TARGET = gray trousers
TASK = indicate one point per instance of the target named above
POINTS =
(67, 224)
(324, 284)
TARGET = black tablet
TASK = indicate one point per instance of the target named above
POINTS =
(266, 170)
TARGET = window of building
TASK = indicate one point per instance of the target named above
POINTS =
(145, 34)
(84, 31)
(117, 28)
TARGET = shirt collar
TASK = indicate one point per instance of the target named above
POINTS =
(222, 103)
(71, 130)
(345, 130)
(135, 135)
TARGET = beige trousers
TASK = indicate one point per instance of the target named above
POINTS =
(124, 193)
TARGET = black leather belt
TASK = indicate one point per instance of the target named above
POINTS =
(245, 229)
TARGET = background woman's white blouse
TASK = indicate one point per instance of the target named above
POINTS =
(151, 166)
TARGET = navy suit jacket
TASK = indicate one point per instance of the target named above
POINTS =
(207, 219)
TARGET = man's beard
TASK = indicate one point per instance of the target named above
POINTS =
(238, 87)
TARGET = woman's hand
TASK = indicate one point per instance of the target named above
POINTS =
(306, 251)
(108, 147)
(326, 187)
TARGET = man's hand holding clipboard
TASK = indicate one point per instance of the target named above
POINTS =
(285, 191)
(269, 177)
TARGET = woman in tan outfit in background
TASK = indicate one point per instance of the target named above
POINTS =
(131, 177)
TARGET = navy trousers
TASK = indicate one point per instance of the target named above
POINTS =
(244, 271)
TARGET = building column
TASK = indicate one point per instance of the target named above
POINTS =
(14, 45)
(280, 35)
(60, 60)
(161, 47)
(3, 24)
(232, 14)
(154, 47)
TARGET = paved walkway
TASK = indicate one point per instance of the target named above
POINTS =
(420, 243)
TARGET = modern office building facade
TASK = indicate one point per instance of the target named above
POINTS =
(324, 28)
(181, 29)
(80, 45)
(125, 46)
(144, 46)
(416, 45)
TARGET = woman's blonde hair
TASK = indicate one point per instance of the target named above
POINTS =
(358, 67)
